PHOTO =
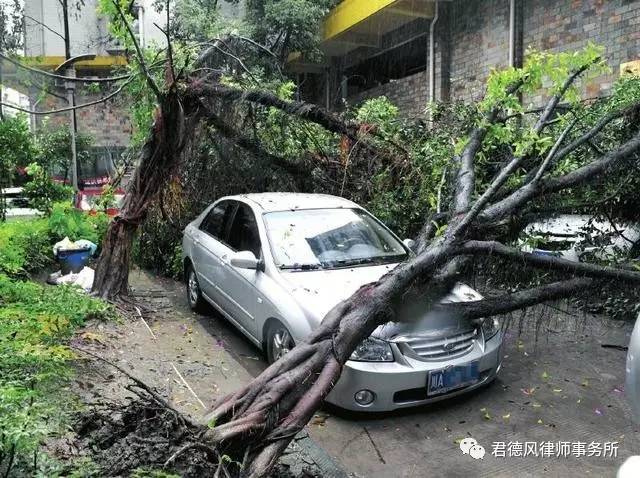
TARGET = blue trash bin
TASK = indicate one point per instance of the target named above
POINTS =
(73, 260)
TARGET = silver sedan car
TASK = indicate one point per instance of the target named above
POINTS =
(275, 263)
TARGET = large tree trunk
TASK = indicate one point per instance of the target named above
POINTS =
(258, 421)
(112, 273)
(157, 163)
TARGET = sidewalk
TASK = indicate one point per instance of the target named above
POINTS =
(173, 351)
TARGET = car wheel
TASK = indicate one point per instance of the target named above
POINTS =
(279, 341)
(194, 295)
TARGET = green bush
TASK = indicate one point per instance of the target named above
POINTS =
(35, 322)
(42, 191)
(67, 221)
(25, 246)
(53, 149)
(16, 149)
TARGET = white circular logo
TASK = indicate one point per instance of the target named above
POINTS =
(466, 444)
(477, 452)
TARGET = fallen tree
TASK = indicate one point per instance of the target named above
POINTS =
(480, 217)
(255, 424)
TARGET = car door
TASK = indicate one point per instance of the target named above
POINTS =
(211, 251)
(240, 284)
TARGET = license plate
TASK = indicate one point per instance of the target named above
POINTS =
(451, 378)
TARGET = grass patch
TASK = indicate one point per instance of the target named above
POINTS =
(36, 322)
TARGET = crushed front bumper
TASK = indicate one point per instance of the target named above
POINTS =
(403, 383)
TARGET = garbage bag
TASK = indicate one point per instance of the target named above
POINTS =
(66, 244)
(83, 279)
(84, 244)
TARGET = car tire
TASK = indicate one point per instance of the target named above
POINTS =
(278, 341)
(194, 294)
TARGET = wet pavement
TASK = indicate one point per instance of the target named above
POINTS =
(559, 396)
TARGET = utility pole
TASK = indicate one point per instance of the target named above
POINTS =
(71, 97)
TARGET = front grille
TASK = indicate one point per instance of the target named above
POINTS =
(438, 347)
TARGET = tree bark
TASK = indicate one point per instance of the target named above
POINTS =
(110, 280)
(157, 163)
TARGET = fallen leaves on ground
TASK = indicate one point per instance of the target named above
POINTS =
(528, 391)
(92, 337)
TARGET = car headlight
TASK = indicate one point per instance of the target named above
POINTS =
(490, 327)
(372, 350)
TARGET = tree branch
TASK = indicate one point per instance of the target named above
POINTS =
(506, 303)
(306, 111)
(555, 99)
(69, 108)
(515, 161)
(38, 22)
(253, 146)
(62, 77)
(549, 262)
(597, 128)
(551, 185)
(465, 181)
(136, 45)
(553, 151)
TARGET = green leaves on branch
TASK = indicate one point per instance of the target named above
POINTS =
(42, 191)
(543, 70)
(288, 25)
(25, 245)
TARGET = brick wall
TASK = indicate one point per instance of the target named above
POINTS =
(479, 41)
(569, 24)
(409, 94)
(107, 123)
(480, 38)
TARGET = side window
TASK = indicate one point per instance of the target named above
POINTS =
(217, 220)
(244, 235)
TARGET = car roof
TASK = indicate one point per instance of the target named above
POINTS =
(574, 224)
(270, 202)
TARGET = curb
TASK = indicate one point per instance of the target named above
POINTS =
(304, 453)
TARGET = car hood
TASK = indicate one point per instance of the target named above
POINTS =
(317, 292)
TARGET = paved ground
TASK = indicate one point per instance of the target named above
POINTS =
(186, 358)
(557, 385)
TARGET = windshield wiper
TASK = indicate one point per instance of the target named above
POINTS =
(301, 267)
(367, 260)
(353, 262)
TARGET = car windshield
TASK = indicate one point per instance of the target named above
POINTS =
(330, 238)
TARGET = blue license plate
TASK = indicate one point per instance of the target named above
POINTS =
(451, 378)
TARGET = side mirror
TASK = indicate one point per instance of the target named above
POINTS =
(245, 260)
(410, 243)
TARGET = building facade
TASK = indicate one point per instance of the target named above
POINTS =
(88, 31)
(107, 123)
(47, 44)
(414, 51)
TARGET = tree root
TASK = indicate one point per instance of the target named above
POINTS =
(146, 432)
